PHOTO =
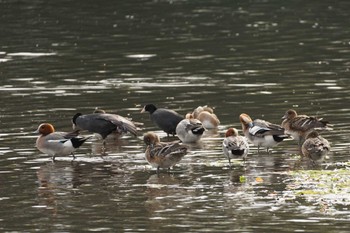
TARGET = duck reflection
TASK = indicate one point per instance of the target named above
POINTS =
(163, 192)
(211, 133)
(57, 180)
(194, 145)
(237, 175)
(110, 145)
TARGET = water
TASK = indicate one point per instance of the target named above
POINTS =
(257, 57)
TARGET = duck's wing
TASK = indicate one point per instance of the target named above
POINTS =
(262, 128)
(305, 123)
(195, 126)
(314, 145)
(57, 137)
(231, 143)
(323, 143)
(168, 149)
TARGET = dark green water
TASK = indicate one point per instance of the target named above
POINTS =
(258, 57)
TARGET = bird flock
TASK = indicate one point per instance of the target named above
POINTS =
(189, 129)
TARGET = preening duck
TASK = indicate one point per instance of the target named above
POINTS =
(190, 130)
(261, 132)
(315, 146)
(234, 146)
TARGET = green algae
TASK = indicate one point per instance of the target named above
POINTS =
(320, 183)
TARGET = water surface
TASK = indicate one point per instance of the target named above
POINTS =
(257, 57)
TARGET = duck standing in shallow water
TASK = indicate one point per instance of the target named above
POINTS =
(262, 133)
(103, 124)
(234, 146)
(206, 116)
(298, 126)
(315, 146)
(57, 143)
(190, 130)
(160, 154)
(165, 119)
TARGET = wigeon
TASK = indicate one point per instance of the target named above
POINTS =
(165, 119)
(262, 133)
(234, 146)
(57, 143)
(160, 154)
(190, 130)
(298, 126)
(206, 116)
(315, 146)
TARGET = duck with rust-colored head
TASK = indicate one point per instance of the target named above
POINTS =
(235, 146)
(165, 119)
(298, 126)
(161, 154)
(261, 132)
(57, 143)
(315, 146)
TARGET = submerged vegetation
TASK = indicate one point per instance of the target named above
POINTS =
(329, 188)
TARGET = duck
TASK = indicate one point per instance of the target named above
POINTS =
(261, 132)
(315, 146)
(104, 124)
(165, 119)
(190, 130)
(234, 146)
(207, 116)
(160, 154)
(200, 109)
(298, 126)
(57, 143)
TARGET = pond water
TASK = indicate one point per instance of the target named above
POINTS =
(257, 57)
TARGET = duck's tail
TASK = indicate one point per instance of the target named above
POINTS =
(77, 141)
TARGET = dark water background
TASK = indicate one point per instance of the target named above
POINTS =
(258, 57)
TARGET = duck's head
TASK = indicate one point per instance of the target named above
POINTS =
(149, 108)
(45, 129)
(231, 132)
(150, 138)
(290, 114)
(245, 119)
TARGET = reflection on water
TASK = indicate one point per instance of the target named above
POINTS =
(256, 57)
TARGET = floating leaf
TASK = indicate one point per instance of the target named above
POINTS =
(259, 179)
(242, 179)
